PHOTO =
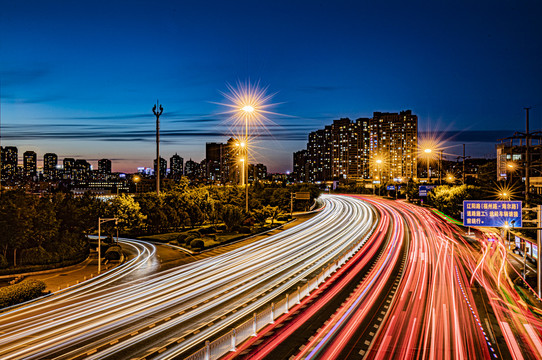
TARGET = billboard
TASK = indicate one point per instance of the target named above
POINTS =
(492, 213)
(303, 195)
(425, 189)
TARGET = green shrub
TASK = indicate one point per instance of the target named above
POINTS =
(208, 230)
(283, 218)
(26, 290)
(195, 233)
(197, 244)
(113, 252)
(181, 238)
(189, 239)
(221, 227)
(244, 230)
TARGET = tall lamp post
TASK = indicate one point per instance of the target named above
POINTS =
(440, 169)
(157, 114)
(510, 168)
(100, 221)
(428, 152)
(247, 111)
(136, 179)
(379, 162)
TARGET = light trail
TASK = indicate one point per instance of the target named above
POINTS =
(520, 323)
(191, 303)
(337, 282)
(432, 315)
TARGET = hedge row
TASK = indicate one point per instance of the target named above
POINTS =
(25, 290)
(33, 268)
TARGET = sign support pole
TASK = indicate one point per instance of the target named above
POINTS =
(538, 243)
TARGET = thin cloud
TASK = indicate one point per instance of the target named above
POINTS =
(319, 88)
(11, 77)
(485, 136)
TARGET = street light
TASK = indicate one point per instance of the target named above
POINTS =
(100, 221)
(242, 160)
(428, 152)
(248, 110)
(379, 162)
(511, 168)
(136, 179)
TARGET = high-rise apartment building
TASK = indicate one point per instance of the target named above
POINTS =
(81, 170)
(222, 161)
(257, 172)
(10, 159)
(191, 168)
(301, 166)
(104, 167)
(30, 164)
(176, 166)
(319, 154)
(163, 167)
(216, 158)
(69, 168)
(349, 149)
(50, 162)
(393, 141)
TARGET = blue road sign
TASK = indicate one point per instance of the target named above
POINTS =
(425, 189)
(492, 213)
(390, 187)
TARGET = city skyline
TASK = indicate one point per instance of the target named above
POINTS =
(79, 80)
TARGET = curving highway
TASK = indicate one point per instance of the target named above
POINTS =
(190, 303)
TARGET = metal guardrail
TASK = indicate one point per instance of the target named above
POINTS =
(216, 349)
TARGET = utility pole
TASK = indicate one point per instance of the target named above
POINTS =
(527, 135)
(527, 155)
(464, 158)
(539, 244)
(157, 114)
(440, 169)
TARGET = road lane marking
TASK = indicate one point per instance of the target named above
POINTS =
(511, 341)
(534, 337)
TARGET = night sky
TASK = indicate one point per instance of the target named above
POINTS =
(80, 78)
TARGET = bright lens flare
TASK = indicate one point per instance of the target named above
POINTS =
(505, 192)
(248, 113)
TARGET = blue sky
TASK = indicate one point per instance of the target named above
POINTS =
(80, 78)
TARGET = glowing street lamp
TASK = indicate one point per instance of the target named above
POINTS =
(242, 160)
(136, 179)
(248, 110)
(511, 168)
(379, 163)
(248, 105)
(428, 152)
